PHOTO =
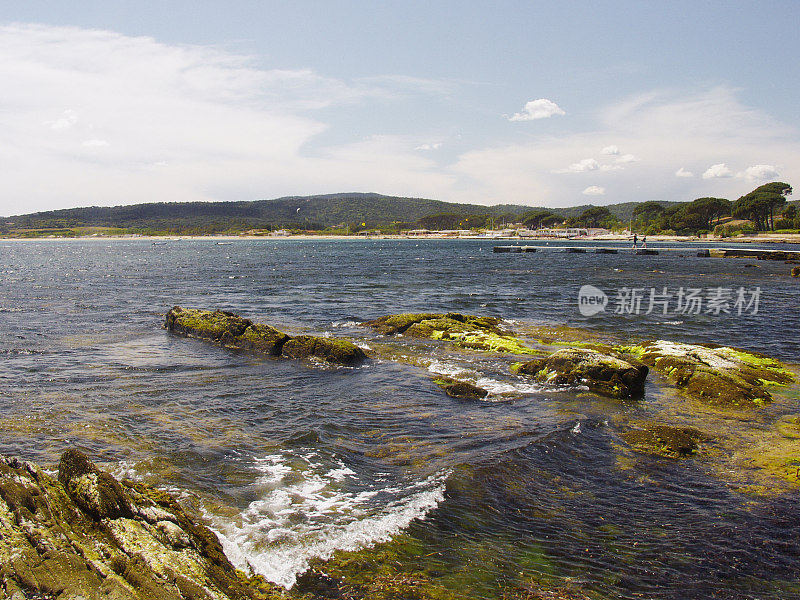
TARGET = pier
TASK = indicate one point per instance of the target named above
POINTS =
(756, 253)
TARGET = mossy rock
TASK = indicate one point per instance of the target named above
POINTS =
(233, 331)
(795, 271)
(461, 389)
(263, 339)
(219, 326)
(667, 441)
(602, 373)
(423, 324)
(87, 535)
(719, 375)
(397, 324)
(336, 351)
(465, 331)
(95, 491)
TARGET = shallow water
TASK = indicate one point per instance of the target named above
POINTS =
(290, 460)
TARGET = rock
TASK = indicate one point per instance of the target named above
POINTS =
(461, 389)
(335, 351)
(95, 491)
(719, 375)
(601, 373)
(263, 339)
(217, 325)
(82, 536)
(664, 440)
(233, 331)
(466, 331)
(795, 271)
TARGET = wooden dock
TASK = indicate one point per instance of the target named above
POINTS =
(756, 253)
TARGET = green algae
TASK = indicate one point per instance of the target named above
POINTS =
(489, 342)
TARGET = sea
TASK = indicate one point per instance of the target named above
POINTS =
(289, 461)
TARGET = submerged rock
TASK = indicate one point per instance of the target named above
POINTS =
(233, 331)
(795, 271)
(460, 389)
(87, 535)
(719, 375)
(664, 440)
(601, 373)
(466, 331)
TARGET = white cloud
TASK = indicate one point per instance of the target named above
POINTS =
(683, 173)
(594, 190)
(717, 171)
(67, 119)
(94, 143)
(610, 150)
(538, 109)
(626, 159)
(425, 147)
(587, 164)
(227, 128)
(760, 173)
(672, 130)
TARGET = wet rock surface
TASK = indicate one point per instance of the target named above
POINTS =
(466, 331)
(718, 375)
(461, 389)
(233, 331)
(601, 373)
(87, 535)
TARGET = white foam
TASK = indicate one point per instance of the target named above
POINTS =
(494, 386)
(310, 506)
(447, 369)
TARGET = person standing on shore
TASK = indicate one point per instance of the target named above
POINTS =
(644, 241)
(634, 240)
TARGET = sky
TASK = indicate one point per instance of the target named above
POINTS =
(542, 104)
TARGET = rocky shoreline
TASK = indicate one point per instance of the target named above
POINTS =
(82, 534)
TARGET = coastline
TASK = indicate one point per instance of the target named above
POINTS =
(750, 239)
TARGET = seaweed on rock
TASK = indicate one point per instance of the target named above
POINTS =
(233, 331)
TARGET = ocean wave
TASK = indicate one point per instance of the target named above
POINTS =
(310, 506)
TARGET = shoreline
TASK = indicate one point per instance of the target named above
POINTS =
(763, 238)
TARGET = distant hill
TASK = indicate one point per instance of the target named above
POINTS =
(304, 212)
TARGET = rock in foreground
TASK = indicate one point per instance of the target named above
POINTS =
(88, 536)
(718, 375)
(601, 373)
(233, 331)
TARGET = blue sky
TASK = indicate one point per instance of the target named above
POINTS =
(544, 104)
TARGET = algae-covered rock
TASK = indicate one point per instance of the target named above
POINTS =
(263, 338)
(719, 375)
(219, 326)
(601, 373)
(664, 440)
(795, 271)
(233, 331)
(465, 331)
(332, 350)
(87, 535)
(95, 491)
(461, 389)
